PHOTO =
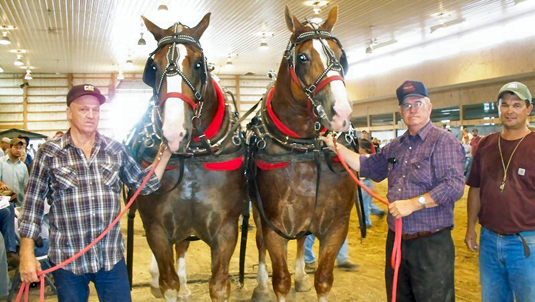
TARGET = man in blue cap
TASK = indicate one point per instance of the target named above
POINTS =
(424, 167)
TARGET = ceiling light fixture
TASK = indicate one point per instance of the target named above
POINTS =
(18, 61)
(263, 40)
(141, 41)
(129, 63)
(28, 76)
(316, 7)
(1, 69)
(5, 39)
(120, 76)
(229, 62)
(446, 24)
(374, 44)
(163, 8)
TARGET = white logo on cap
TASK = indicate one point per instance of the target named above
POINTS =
(513, 85)
(89, 88)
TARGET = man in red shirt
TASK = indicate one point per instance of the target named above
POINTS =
(475, 141)
(502, 198)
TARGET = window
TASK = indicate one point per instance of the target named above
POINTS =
(382, 119)
(360, 122)
(480, 111)
(445, 115)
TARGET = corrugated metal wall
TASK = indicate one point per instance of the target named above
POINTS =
(40, 105)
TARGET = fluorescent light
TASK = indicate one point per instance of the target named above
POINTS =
(446, 24)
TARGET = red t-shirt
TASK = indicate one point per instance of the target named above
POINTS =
(512, 210)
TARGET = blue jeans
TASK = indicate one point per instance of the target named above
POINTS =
(505, 272)
(369, 206)
(7, 227)
(111, 285)
(341, 258)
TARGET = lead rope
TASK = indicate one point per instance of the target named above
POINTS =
(25, 287)
(396, 250)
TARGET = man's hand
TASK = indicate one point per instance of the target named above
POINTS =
(328, 140)
(402, 208)
(471, 240)
(4, 187)
(29, 266)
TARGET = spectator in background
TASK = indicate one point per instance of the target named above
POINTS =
(26, 158)
(4, 146)
(13, 173)
(4, 278)
(365, 134)
(467, 154)
(375, 143)
(58, 134)
(475, 141)
(466, 135)
(365, 147)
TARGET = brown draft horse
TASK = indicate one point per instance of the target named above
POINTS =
(288, 193)
(204, 200)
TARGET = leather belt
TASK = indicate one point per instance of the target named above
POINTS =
(422, 234)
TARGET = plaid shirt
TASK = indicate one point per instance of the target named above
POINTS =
(428, 162)
(85, 199)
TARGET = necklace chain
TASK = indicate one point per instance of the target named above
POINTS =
(505, 168)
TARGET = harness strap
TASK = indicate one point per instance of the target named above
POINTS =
(179, 95)
(326, 81)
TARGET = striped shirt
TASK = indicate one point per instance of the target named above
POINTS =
(429, 162)
(85, 199)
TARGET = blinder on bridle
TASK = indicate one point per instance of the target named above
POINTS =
(150, 77)
(334, 64)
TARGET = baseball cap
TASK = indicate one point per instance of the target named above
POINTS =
(517, 88)
(84, 89)
(411, 88)
(15, 141)
(6, 140)
(366, 130)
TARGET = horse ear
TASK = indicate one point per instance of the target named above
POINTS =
(156, 31)
(331, 20)
(288, 18)
(199, 29)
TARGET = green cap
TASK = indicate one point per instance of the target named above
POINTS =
(517, 88)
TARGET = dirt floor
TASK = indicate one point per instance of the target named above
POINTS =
(366, 284)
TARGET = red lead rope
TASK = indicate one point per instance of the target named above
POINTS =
(396, 251)
(25, 288)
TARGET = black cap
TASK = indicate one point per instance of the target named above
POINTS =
(411, 88)
(84, 89)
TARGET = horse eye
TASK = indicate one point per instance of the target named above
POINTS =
(198, 65)
(303, 58)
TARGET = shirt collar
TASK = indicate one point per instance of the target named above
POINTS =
(66, 140)
(423, 133)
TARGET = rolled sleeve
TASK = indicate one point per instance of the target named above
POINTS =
(35, 198)
(132, 175)
(374, 166)
(448, 161)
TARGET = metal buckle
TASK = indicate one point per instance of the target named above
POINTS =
(261, 144)
(236, 140)
(317, 126)
(198, 96)
(311, 88)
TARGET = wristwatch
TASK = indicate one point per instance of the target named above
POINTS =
(421, 200)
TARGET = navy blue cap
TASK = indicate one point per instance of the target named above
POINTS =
(411, 88)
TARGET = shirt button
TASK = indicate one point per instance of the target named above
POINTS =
(410, 148)
(405, 161)
(399, 190)
(403, 176)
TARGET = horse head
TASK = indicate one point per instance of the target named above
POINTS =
(317, 66)
(178, 73)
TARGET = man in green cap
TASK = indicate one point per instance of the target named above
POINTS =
(502, 198)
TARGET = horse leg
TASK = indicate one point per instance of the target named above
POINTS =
(222, 247)
(277, 248)
(155, 278)
(163, 253)
(330, 245)
(261, 291)
(181, 248)
(301, 277)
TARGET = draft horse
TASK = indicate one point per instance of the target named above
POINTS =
(296, 189)
(202, 192)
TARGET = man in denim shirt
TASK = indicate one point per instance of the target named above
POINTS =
(424, 167)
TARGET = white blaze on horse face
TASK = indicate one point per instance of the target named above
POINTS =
(174, 125)
(342, 104)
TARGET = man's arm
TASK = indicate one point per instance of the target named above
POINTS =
(132, 175)
(31, 218)
(474, 204)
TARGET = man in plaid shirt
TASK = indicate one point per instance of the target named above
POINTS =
(425, 178)
(80, 175)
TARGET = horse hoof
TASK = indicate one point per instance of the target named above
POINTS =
(260, 295)
(155, 291)
(184, 294)
(303, 286)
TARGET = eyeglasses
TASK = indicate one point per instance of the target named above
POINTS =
(407, 106)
